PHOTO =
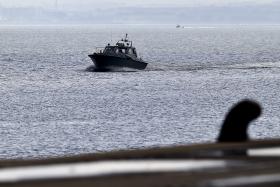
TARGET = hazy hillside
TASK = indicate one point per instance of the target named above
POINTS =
(203, 14)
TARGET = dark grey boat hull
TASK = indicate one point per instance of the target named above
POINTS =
(107, 62)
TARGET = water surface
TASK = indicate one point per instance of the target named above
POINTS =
(51, 105)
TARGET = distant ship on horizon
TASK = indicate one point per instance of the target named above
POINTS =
(180, 26)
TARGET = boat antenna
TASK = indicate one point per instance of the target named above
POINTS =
(126, 36)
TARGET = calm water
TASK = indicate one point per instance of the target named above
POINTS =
(51, 105)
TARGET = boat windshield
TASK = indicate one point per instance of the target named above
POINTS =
(108, 49)
(123, 44)
(130, 51)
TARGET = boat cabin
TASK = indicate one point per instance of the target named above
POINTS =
(123, 46)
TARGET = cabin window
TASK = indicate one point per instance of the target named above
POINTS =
(130, 51)
(117, 50)
(134, 52)
(107, 50)
(123, 50)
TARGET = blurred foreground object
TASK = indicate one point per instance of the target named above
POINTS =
(237, 121)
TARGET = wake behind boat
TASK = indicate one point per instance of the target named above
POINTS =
(122, 55)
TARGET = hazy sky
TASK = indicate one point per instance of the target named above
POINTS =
(114, 3)
(109, 11)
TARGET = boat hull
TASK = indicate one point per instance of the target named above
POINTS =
(107, 62)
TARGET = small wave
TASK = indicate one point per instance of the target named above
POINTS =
(199, 27)
(161, 67)
(190, 68)
(260, 65)
(7, 59)
(92, 68)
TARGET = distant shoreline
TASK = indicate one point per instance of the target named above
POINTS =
(184, 26)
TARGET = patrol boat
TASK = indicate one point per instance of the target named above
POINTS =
(122, 55)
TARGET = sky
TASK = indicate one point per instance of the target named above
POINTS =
(114, 3)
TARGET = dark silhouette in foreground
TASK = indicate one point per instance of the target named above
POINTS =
(235, 126)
